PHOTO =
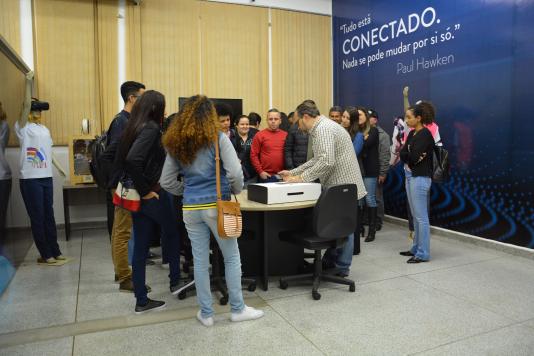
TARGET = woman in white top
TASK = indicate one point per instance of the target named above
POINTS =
(36, 183)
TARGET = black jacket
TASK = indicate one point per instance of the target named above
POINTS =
(371, 164)
(295, 148)
(145, 159)
(417, 153)
(243, 153)
(116, 128)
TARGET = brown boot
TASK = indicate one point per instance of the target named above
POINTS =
(127, 286)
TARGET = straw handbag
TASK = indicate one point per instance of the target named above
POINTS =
(229, 220)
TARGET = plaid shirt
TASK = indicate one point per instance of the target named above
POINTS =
(334, 160)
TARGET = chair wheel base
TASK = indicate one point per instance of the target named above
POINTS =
(283, 284)
(316, 295)
(352, 288)
(251, 287)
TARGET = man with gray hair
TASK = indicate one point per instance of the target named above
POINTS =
(334, 162)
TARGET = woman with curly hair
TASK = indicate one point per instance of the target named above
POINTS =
(190, 143)
(416, 154)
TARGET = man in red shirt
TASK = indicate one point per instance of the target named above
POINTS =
(267, 151)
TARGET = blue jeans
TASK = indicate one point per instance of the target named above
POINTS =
(154, 212)
(38, 196)
(370, 186)
(417, 190)
(342, 256)
(199, 223)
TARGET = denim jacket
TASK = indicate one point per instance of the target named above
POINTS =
(199, 177)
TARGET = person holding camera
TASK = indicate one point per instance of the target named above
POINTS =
(36, 184)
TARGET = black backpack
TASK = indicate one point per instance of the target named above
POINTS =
(441, 165)
(100, 174)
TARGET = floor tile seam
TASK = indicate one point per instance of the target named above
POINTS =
(331, 288)
(438, 269)
(335, 287)
(297, 330)
(531, 320)
(85, 327)
(78, 294)
(466, 338)
(453, 267)
(79, 281)
(468, 301)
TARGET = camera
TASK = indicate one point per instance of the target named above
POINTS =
(39, 105)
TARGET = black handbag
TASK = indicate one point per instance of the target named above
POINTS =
(441, 165)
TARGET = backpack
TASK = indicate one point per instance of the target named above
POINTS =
(98, 171)
(441, 165)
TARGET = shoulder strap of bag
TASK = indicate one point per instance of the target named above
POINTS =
(218, 170)
(218, 167)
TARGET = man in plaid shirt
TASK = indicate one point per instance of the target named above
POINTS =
(334, 162)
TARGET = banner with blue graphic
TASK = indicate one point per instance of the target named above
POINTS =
(474, 60)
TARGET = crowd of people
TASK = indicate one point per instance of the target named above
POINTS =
(170, 161)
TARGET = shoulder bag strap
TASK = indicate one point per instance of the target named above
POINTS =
(218, 167)
(218, 171)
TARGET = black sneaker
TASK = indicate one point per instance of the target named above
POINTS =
(151, 305)
(406, 253)
(128, 287)
(175, 289)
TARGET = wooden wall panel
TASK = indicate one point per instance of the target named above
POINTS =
(133, 43)
(170, 48)
(66, 65)
(235, 54)
(302, 59)
(10, 23)
(107, 62)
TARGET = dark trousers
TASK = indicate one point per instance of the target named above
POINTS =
(110, 207)
(380, 202)
(38, 196)
(155, 212)
(5, 192)
(185, 247)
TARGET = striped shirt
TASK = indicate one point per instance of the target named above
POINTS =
(334, 160)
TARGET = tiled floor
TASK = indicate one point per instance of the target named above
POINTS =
(467, 301)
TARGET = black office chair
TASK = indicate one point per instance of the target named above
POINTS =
(334, 218)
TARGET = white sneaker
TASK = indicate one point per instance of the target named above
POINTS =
(248, 313)
(205, 321)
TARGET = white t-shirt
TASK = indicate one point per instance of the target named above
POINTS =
(35, 151)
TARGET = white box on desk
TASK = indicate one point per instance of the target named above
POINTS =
(280, 192)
